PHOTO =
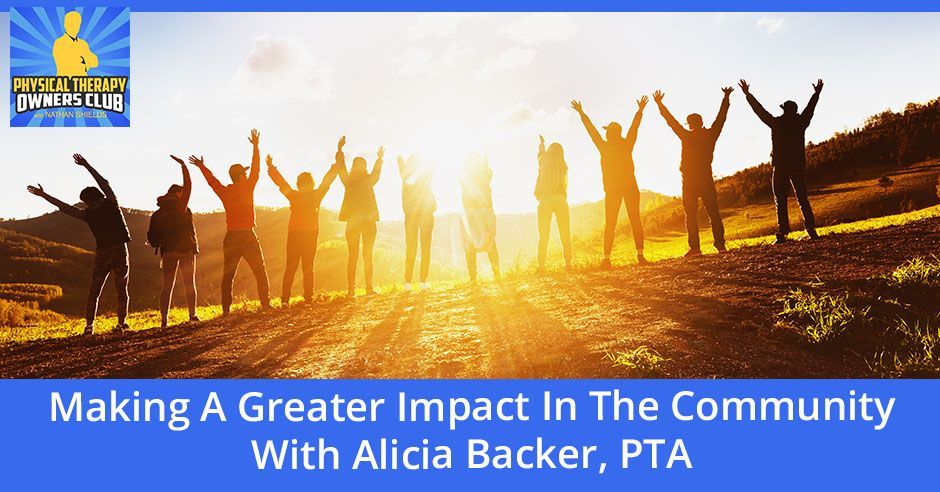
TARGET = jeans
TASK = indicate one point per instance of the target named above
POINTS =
(692, 190)
(170, 263)
(782, 181)
(235, 246)
(418, 227)
(556, 205)
(302, 249)
(108, 260)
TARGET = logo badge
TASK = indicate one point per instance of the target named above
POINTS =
(70, 66)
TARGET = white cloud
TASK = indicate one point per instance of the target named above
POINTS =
(771, 24)
(422, 61)
(434, 24)
(536, 29)
(522, 119)
(279, 69)
(510, 58)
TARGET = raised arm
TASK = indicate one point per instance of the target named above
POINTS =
(99, 179)
(330, 176)
(340, 163)
(588, 125)
(719, 122)
(377, 168)
(213, 182)
(64, 207)
(635, 125)
(670, 120)
(810, 109)
(278, 179)
(187, 183)
(541, 146)
(255, 172)
(759, 110)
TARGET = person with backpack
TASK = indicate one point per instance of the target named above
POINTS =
(173, 235)
(360, 212)
(106, 221)
(788, 157)
(418, 204)
(695, 166)
(238, 200)
(303, 228)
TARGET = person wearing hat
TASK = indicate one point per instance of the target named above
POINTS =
(698, 151)
(617, 170)
(173, 235)
(788, 156)
(238, 200)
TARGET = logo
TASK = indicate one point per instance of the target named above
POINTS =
(70, 66)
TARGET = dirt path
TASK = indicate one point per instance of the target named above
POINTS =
(710, 316)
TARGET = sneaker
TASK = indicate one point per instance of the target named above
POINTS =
(425, 286)
(813, 235)
(408, 287)
(692, 252)
(194, 319)
(89, 330)
(121, 328)
(641, 260)
(370, 291)
(164, 325)
(351, 294)
(781, 238)
(721, 248)
(605, 264)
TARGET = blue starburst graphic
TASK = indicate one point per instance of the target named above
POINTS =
(33, 33)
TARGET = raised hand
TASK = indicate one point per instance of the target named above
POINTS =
(658, 96)
(196, 161)
(641, 102)
(727, 90)
(254, 137)
(541, 140)
(818, 86)
(342, 142)
(401, 160)
(177, 159)
(381, 153)
(36, 190)
(269, 161)
(79, 160)
(576, 105)
(745, 87)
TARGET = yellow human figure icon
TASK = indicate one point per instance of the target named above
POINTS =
(72, 55)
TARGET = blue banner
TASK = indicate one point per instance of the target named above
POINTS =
(159, 435)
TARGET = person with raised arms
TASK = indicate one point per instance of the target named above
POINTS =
(360, 212)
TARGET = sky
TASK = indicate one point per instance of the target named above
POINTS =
(445, 85)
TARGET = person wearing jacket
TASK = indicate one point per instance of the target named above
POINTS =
(788, 157)
(617, 169)
(698, 151)
(360, 213)
(479, 219)
(551, 191)
(173, 234)
(238, 200)
(303, 228)
(104, 217)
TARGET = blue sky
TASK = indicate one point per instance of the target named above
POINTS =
(446, 84)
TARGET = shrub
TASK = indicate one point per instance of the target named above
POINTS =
(41, 293)
(919, 271)
(14, 314)
(820, 317)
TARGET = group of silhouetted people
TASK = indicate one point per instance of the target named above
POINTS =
(172, 231)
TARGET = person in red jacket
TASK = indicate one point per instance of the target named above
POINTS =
(240, 241)
(303, 228)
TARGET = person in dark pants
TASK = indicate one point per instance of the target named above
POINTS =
(788, 157)
(303, 228)
(240, 241)
(106, 221)
(418, 204)
(619, 179)
(698, 150)
(173, 233)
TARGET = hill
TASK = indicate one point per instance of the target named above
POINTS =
(849, 305)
